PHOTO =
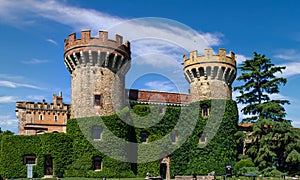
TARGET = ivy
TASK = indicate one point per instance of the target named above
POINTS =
(73, 152)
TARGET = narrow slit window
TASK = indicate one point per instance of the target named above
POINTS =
(41, 117)
(55, 118)
(144, 137)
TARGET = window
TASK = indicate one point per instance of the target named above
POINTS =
(144, 137)
(202, 138)
(98, 100)
(97, 163)
(97, 133)
(55, 118)
(174, 137)
(41, 117)
(29, 159)
(205, 111)
(161, 109)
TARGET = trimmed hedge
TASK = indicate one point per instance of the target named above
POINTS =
(73, 152)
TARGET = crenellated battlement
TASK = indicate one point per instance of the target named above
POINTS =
(87, 39)
(210, 71)
(56, 105)
(210, 57)
(97, 51)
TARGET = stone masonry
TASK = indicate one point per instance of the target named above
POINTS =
(98, 66)
(210, 76)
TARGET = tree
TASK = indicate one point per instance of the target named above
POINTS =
(273, 139)
(258, 74)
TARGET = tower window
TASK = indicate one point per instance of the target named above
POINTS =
(41, 117)
(98, 100)
(97, 163)
(205, 111)
(97, 133)
(144, 137)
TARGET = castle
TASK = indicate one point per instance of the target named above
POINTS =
(98, 66)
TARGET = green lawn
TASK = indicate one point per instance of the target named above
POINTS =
(77, 178)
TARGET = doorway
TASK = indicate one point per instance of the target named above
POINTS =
(48, 165)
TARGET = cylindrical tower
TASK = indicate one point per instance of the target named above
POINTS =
(210, 76)
(97, 66)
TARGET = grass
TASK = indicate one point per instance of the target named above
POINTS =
(77, 178)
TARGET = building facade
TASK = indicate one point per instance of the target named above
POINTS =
(41, 117)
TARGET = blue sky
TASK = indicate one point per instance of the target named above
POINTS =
(32, 34)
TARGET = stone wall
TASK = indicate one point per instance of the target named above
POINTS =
(88, 81)
(210, 76)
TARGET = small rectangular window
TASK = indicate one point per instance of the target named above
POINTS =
(98, 100)
(202, 138)
(41, 117)
(97, 133)
(55, 118)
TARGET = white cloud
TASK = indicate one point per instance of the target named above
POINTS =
(8, 120)
(52, 41)
(167, 30)
(35, 61)
(240, 58)
(161, 86)
(292, 69)
(8, 99)
(11, 84)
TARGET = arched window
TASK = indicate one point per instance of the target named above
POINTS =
(97, 163)
(55, 118)
(144, 137)
(97, 132)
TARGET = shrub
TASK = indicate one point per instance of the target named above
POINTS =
(241, 164)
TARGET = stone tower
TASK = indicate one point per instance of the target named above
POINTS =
(97, 66)
(210, 76)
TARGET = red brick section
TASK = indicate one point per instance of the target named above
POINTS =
(167, 97)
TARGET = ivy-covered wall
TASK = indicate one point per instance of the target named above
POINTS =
(14, 148)
(121, 140)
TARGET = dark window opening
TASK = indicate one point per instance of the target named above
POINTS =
(144, 137)
(97, 163)
(30, 159)
(205, 111)
(98, 100)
